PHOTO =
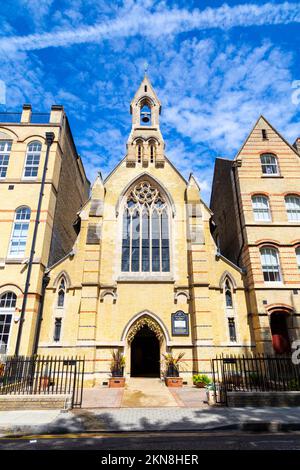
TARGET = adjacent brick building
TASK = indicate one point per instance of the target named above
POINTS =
(23, 149)
(256, 205)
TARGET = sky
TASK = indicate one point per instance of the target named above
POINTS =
(215, 67)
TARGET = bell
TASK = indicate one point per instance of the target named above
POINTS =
(145, 118)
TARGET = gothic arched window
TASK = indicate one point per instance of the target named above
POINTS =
(228, 295)
(61, 293)
(230, 311)
(146, 243)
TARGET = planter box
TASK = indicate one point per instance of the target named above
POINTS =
(116, 382)
(199, 384)
(173, 381)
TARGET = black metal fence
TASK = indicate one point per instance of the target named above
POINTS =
(256, 373)
(21, 375)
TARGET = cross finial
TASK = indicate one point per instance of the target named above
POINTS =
(145, 67)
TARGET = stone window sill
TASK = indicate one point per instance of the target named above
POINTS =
(145, 278)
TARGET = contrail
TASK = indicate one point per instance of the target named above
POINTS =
(157, 24)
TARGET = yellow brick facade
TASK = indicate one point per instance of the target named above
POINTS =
(18, 191)
(249, 236)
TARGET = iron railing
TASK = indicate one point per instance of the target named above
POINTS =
(40, 118)
(21, 375)
(10, 117)
(258, 373)
(35, 118)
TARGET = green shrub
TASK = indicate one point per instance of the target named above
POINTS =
(294, 384)
(201, 378)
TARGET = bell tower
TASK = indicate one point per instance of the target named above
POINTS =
(145, 145)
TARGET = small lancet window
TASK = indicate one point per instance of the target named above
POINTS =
(145, 115)
(228, 295)
(61, 294)
(139, 152)
(152, 152)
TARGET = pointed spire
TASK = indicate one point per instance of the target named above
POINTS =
(98, 187)
(145, 90)
(193, 189)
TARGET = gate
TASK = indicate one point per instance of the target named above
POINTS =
(20, 375)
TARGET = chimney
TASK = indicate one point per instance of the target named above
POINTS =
(26, 113)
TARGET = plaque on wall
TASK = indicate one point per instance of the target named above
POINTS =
(180, 323)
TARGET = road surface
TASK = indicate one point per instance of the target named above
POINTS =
(157, 441)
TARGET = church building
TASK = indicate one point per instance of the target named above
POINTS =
(144, 275)
(137, 262)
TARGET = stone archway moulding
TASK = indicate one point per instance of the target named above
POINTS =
(155, 181)
(142, 319)
(145, 321)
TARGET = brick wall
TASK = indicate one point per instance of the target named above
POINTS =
(73, 191)
(35, 402)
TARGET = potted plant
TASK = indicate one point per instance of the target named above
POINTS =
(201, 380)
(117, 365)
(172, 378)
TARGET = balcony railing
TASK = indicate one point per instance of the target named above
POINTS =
(36, 118)
(10, 117)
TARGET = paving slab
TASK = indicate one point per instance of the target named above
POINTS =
(102, 397)
(25, 417)
(147, 393)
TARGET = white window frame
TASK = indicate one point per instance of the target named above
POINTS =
(24, 222)
(34, 153)
(261, 213)
(269, 268)
(8, 312)
(4, 155)
(293, 213)
(272, 163)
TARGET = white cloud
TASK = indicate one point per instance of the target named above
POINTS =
(138, 18)
(239, 84)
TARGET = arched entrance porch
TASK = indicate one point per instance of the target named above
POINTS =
(146, 339)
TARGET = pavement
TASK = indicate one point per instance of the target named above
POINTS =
(147, 405)
(111, 420)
